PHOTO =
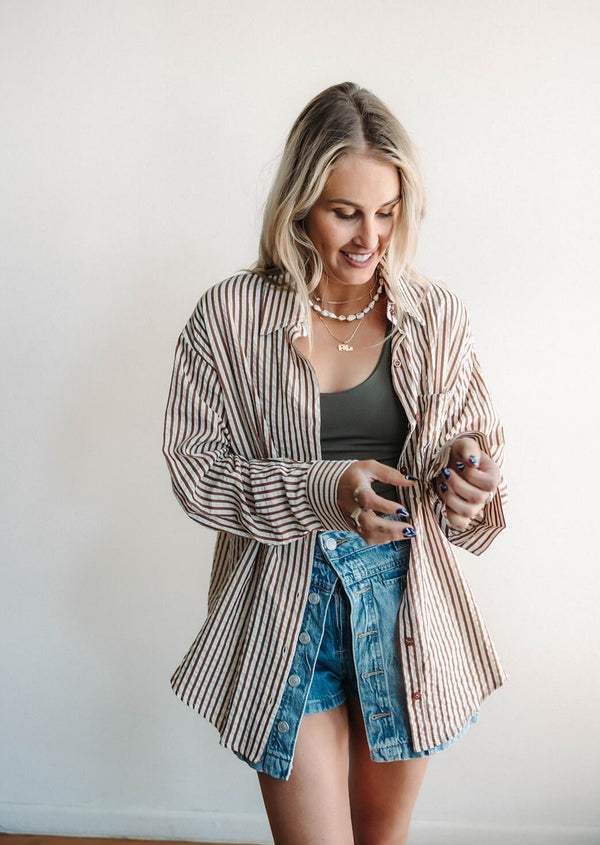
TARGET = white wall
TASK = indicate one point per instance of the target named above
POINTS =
(137, 142)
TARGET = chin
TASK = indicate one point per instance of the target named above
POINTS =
(356, 277)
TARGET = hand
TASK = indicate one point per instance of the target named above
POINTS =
(355, 496)
(468, 483)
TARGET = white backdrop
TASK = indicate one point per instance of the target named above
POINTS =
(137, 143)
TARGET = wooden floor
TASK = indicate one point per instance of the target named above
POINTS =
(31, 839)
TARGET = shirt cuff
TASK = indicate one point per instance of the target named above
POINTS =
(322, 483)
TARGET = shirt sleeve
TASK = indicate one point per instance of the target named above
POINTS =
(470, 411)
(271, 500)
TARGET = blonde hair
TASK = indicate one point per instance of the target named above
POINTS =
(341, 120)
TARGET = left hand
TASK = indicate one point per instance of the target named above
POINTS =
(467, 484)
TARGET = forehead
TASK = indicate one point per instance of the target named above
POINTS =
(363, 180)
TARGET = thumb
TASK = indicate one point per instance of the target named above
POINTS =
(466, 451)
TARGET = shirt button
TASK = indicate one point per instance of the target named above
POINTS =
(396, 362)
(294, 680)
(417, 417)
(409, 641)
(304, 637)
(283, 727)
(330, 544)
(416, 696)
(313, 598)
(403, 470)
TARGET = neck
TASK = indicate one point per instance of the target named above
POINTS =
(345, 299)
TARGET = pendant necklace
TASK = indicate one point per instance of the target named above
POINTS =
(343, 345)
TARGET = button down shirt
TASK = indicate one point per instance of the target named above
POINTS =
(242, 444)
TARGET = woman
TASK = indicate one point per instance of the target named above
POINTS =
(328, 417)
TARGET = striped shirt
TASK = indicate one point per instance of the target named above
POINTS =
(242, 444)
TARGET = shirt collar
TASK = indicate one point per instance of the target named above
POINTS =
(409, 299)
(280, 307)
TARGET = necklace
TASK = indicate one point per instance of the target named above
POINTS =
(343, 345)
(342, 301)
(350, 317)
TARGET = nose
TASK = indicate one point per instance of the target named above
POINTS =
(367, 236)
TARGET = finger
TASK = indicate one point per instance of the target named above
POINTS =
(485, 477)
(463, 507)
(462, 485)
(368, 499)
(466, 451)
(480, 480)
(388, 475)
(456, 521)
(490, 470)
(376, 530)
(358, 490)
(485, 474)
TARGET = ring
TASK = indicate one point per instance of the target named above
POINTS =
(354, 516)
(358, 490)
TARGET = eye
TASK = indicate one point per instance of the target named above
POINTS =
(389, 213)
(342, 216)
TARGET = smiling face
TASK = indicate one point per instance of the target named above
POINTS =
(352, 221)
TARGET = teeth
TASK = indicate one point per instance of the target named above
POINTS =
(362, 259)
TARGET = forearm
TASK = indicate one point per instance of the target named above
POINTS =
(274, 501)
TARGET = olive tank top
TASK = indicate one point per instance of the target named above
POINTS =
(366, 422)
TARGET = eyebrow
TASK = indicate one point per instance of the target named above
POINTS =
(342, 201)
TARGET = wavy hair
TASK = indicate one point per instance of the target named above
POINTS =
(343, 119)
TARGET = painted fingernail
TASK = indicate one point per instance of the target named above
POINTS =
(412, 478)
(402, 512)
(443, 487)
(460, 466)
(446, 472)
(409, 532)
(473, 460)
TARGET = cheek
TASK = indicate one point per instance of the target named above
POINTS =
(323, 233)
(389, 228)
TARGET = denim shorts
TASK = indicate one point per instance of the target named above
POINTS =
(348, 646)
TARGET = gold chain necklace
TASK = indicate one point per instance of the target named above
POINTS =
(347, 317)
(343, 345)
(342, 301)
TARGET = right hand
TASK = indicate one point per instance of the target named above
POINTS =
(373, 529)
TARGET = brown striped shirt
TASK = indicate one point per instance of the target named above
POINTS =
(242, 444)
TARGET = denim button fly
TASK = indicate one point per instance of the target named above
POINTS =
(348, 646)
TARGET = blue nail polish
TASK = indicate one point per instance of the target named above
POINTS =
(460, 466)
(402, 512)
(409, 532)
(446, 472)
(443, 487)
(473, 460)
(412, 478)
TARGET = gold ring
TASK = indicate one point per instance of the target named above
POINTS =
(358, 490)
(354, 516)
